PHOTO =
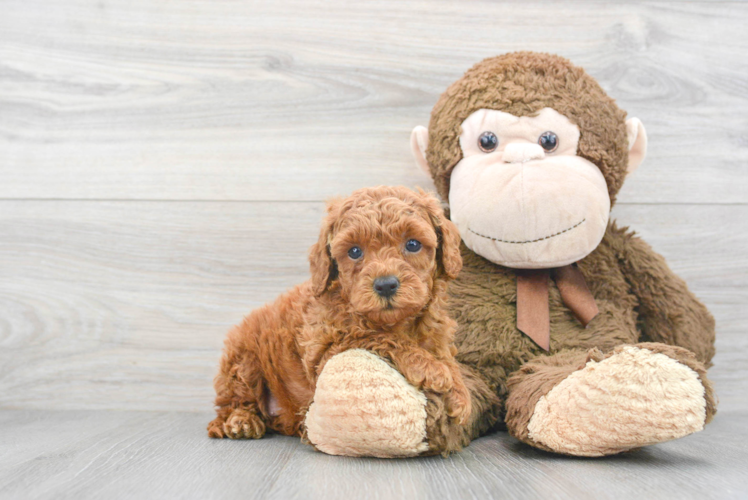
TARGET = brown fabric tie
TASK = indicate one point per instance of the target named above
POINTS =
(533, 316)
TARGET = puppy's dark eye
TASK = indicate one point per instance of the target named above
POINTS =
(548, 141)
(488, 142)
(355, 253)
(413, 246)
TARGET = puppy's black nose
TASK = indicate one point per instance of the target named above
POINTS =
(386, 286)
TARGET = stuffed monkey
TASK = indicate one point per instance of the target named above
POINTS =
(572, 333)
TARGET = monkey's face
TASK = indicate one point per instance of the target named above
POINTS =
(520, 196)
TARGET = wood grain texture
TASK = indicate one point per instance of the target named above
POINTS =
(124, 305)
(77, 454)
(301, 100)
(162, 171)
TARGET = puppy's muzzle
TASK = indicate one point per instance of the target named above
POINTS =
(386, 286)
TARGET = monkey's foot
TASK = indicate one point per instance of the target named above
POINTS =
(636, 396)
(364, 407)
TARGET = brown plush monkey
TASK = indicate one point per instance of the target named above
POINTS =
(572, 332)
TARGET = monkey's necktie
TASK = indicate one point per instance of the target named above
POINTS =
(533, 316)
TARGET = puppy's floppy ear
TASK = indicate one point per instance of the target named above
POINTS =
(448, 253)
(321, 264)
(450, 247)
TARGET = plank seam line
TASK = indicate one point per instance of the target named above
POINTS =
(187, 200)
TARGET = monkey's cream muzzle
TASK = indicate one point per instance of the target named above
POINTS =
(519, 206)
(531, 215)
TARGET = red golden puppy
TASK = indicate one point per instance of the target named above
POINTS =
(379, 282)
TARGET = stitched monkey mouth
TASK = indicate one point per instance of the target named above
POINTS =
(529, 241)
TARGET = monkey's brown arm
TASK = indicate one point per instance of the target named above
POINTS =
(668, 311)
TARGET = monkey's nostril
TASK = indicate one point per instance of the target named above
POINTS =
(386, 286)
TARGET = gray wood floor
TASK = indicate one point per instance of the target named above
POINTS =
(143, 455)
(163, 167)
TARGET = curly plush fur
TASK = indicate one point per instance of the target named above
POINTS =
(272, 360)
(639, 297)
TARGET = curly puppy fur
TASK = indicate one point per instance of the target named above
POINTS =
(271, 361)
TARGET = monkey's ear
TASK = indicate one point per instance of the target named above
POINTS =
(321, 264)
(419, 141)
(637, 137)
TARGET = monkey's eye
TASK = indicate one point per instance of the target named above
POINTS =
(413, 246)
(548, 141)
(488, 142)
(355, 253)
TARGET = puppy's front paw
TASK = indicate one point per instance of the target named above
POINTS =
(243, 424)
(437, 377)
(458, 403)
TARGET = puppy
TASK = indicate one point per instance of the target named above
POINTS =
(379, 282)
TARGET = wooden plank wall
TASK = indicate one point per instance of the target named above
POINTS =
(163, 165)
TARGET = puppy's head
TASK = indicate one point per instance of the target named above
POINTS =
(387, 250)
